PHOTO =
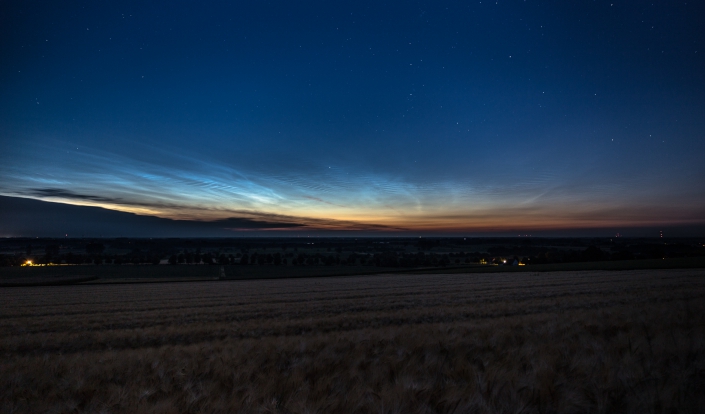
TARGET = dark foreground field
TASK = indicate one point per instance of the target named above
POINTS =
(630, 341)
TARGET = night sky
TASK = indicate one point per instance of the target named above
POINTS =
(364, 117)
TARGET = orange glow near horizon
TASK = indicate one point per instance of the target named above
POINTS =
(433, 219)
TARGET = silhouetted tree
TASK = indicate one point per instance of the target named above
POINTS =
(51, 250)
(94, 248)
(592, 254)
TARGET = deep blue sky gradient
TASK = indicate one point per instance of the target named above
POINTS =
(406, 116)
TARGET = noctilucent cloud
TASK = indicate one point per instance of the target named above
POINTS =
(424, 116)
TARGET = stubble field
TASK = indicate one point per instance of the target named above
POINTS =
(593, 341)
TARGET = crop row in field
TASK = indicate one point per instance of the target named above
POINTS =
(550, 342)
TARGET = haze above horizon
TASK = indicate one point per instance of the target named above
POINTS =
(407, 118)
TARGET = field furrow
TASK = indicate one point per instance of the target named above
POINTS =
(566, 341)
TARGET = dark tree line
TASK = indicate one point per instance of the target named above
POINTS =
(383, 252)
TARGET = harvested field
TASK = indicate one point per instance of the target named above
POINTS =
(152, 273)
(593, 341)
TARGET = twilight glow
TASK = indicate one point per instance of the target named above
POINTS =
(440, 117)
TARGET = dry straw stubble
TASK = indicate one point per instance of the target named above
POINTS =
(555, 342)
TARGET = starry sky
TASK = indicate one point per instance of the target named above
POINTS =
(358, 117)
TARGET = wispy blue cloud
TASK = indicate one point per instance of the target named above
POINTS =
(172, 185)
